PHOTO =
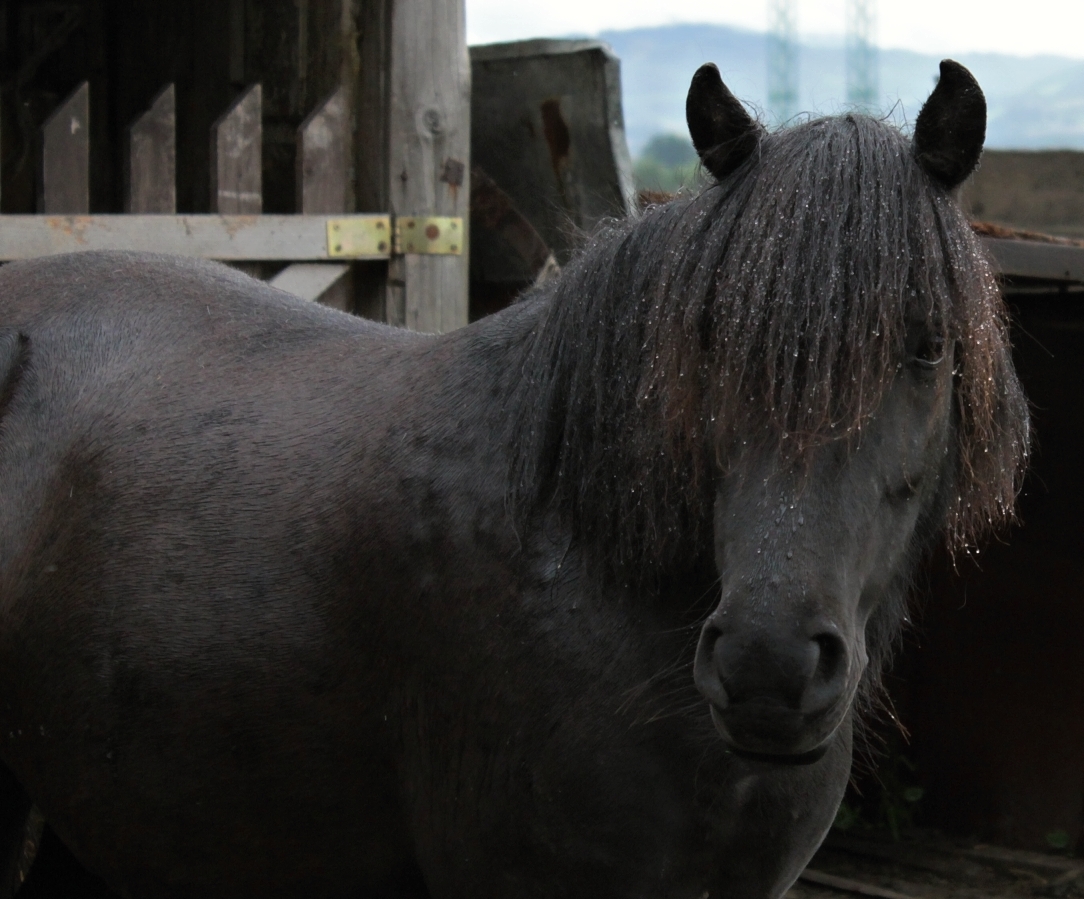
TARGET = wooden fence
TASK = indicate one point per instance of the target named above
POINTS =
(410, 140)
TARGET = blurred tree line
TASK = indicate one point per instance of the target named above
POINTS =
(667, 164)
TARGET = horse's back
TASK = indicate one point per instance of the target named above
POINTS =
(179, 459)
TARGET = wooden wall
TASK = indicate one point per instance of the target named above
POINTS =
(991, 682)
(1031, 190)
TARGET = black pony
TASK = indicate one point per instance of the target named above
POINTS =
(577, 601)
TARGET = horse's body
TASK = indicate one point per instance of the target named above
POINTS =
(275, 621)
(309, 650)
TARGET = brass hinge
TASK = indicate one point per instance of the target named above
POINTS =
(359, 237)
(380, 236)
(439, 235)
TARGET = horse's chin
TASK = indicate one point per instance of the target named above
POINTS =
(785, 748)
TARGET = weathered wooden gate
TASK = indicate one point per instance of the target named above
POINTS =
(323, 144)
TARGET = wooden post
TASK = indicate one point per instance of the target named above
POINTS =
(237, 157)
(323, 147)
(151, 170)
(65, 164)
(429, 155)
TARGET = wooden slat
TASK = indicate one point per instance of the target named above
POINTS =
(301, 238)
(65, 186)
(312, 281)
(323, 172)
(1032, 259)
(429, 165)
(152, 158)
(322, 164)
(237, 157)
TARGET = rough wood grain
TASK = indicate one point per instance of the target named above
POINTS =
(151, 182)
(429, 154)
(323, 182)
(301, 238)
(322, 157)
(237, 157)
(1031, 259)
(548, 128)
(313, 281)
(65, 170)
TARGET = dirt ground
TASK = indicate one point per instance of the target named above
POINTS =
(928, 865)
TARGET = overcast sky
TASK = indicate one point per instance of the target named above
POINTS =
(1022, 27)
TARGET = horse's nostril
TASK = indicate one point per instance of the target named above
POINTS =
(832, 654)
(829, 678)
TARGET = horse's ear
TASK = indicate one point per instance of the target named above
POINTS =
(724, 134)
(951, 126)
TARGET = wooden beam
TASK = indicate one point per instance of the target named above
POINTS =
(313, 281)
(323, 175)
(429, 155)
(65, 164)
(237, 238)
(237, 157)
(151, 183)
(1033, 259)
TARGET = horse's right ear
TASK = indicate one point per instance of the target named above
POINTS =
(724, 134)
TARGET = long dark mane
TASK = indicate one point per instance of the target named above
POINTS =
(768, 311)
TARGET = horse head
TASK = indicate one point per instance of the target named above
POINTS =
(818, 520)
(808, 552)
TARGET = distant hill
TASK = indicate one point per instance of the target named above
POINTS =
(1035, 102)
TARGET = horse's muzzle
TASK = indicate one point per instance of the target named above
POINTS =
(774, 693)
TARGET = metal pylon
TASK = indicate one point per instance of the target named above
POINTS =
(862, 86)
(782, 59)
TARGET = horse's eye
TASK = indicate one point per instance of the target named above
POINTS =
(930, 351)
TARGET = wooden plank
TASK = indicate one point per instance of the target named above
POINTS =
(323, 182)
(312, 280)
(429, 163)
(958, 860)
(151, 183)
(548, 129)
(237, 157)
(322, 157)
(1046, 864)
(65, 165)
(846, 885)
(1032, 259)
(301, 238)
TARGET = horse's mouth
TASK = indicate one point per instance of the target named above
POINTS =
(801, 758)
(784, 741)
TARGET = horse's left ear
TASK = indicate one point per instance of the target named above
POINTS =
(951, 127)
(724, 134)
